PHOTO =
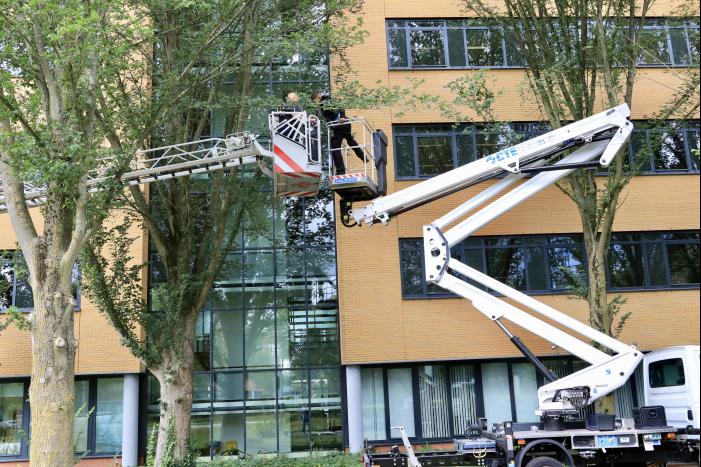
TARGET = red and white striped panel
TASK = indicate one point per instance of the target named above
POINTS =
(350, 175)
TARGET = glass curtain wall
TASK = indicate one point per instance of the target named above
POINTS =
(267, 350)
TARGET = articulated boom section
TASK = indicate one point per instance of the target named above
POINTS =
(598, 139)
(516, 160)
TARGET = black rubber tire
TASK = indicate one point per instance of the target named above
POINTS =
(544, 462)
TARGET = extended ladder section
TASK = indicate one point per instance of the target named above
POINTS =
(592, 142)
(295, 158)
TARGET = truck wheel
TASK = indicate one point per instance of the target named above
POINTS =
(544, 462)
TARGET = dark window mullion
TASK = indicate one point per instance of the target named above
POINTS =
(92, 419)
(416, 393)
(26, 419)
(385, 387)
(512, 395)
(415, 144)
(454, 148)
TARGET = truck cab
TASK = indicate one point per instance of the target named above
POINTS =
(672, 381)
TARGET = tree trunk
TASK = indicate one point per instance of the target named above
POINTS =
(177, 394)
(52, 391)
(599, 317)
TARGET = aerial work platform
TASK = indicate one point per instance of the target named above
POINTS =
(296, 153)
(364, 179)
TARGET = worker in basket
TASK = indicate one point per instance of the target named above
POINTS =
(338, 133)
(291, 104)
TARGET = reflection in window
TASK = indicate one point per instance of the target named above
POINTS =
(427, 48)
(199, 434)
(626, 265)
(11, 410)
(526, 392)
(401, 400)
(474, 43)
(484, 47)
(14, 282)
(227, 345)
(566, 265)
(495, 392)
(426, 150)
(373, 401)
(261, 432)
(227, 433)
(82, 408)
(684, 262)
(260, 385)
(435, 155)
(108, 415)
(670, 153)
(507, 265)
(558, 263)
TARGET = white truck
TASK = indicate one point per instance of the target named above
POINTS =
(665, 428)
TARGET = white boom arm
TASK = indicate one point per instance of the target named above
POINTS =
(171, 161)
(599, 138)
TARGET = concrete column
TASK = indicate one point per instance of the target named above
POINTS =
(354, 408)
(130, 421)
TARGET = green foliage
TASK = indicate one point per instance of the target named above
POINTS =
(331, 460)
(473, 92)
(78, 457)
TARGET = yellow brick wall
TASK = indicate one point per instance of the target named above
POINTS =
(378, 326)
(99, 348)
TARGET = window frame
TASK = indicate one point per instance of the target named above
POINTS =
(92, 420)
(26, 415)
(76, 270)
(392, 437)
(529, 129)
(390, 24)
(544, 244)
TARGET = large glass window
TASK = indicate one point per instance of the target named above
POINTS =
(475, 43)
(11, 418)
(433, 394)
(82, 412)
(422, 151)
(97, 428)
(525, 392)
(401, 400)
(495, 392)
(447, 398)
(373, 400)
(267, 343)
(108, 415)
(464, 396)
(14, 282)
(539, 264)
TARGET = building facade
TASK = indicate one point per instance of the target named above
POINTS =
(341, 320)
(416, 356)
